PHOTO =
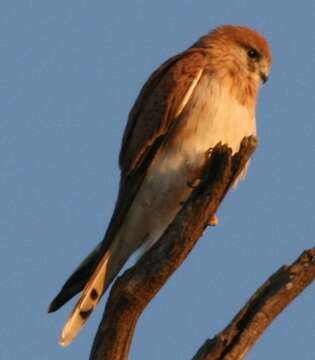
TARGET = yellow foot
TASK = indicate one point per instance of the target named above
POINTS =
(214, 220)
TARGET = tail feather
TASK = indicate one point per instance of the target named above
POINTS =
(66, 293)
(76, 281)
(90, 297)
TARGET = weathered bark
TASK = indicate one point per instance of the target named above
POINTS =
(234, 342)
(132, 292)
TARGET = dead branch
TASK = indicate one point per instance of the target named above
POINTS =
(234, 342)
(132, 292)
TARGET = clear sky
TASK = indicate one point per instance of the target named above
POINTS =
(70, 71)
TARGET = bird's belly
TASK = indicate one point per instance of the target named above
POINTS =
(206, 123)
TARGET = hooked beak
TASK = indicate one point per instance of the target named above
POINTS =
(263, 76)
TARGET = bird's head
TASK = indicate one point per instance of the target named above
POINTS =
(240, 52)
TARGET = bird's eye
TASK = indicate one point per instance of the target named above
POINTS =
(253, 54)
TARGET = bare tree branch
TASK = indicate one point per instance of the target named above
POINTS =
(132, 292)
(234, 342)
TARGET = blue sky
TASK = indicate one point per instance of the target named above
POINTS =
(70, 72)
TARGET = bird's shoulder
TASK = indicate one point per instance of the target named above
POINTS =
(156, 107)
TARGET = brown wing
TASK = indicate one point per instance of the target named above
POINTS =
(156, 106)
(154, 112)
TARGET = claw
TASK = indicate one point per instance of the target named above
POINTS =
(214, 220)
(193, 184)
(209, 151)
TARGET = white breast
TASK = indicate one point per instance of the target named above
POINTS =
(212, 115)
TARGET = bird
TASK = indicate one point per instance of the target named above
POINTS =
(202, 96)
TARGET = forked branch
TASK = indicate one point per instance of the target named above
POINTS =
(234, 342)
(132, 292)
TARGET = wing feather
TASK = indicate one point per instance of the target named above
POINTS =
(157, 109)
(159, 105)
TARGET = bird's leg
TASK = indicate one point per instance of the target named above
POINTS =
(208, 153)
(193, 184)
(198, 177)
(214, 220)
(195, 177)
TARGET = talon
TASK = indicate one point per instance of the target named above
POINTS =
(214, 220)
(193, 184)
(209, 151)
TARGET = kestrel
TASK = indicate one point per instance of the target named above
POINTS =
(196, 99)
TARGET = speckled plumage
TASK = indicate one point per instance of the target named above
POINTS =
(203, 96)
